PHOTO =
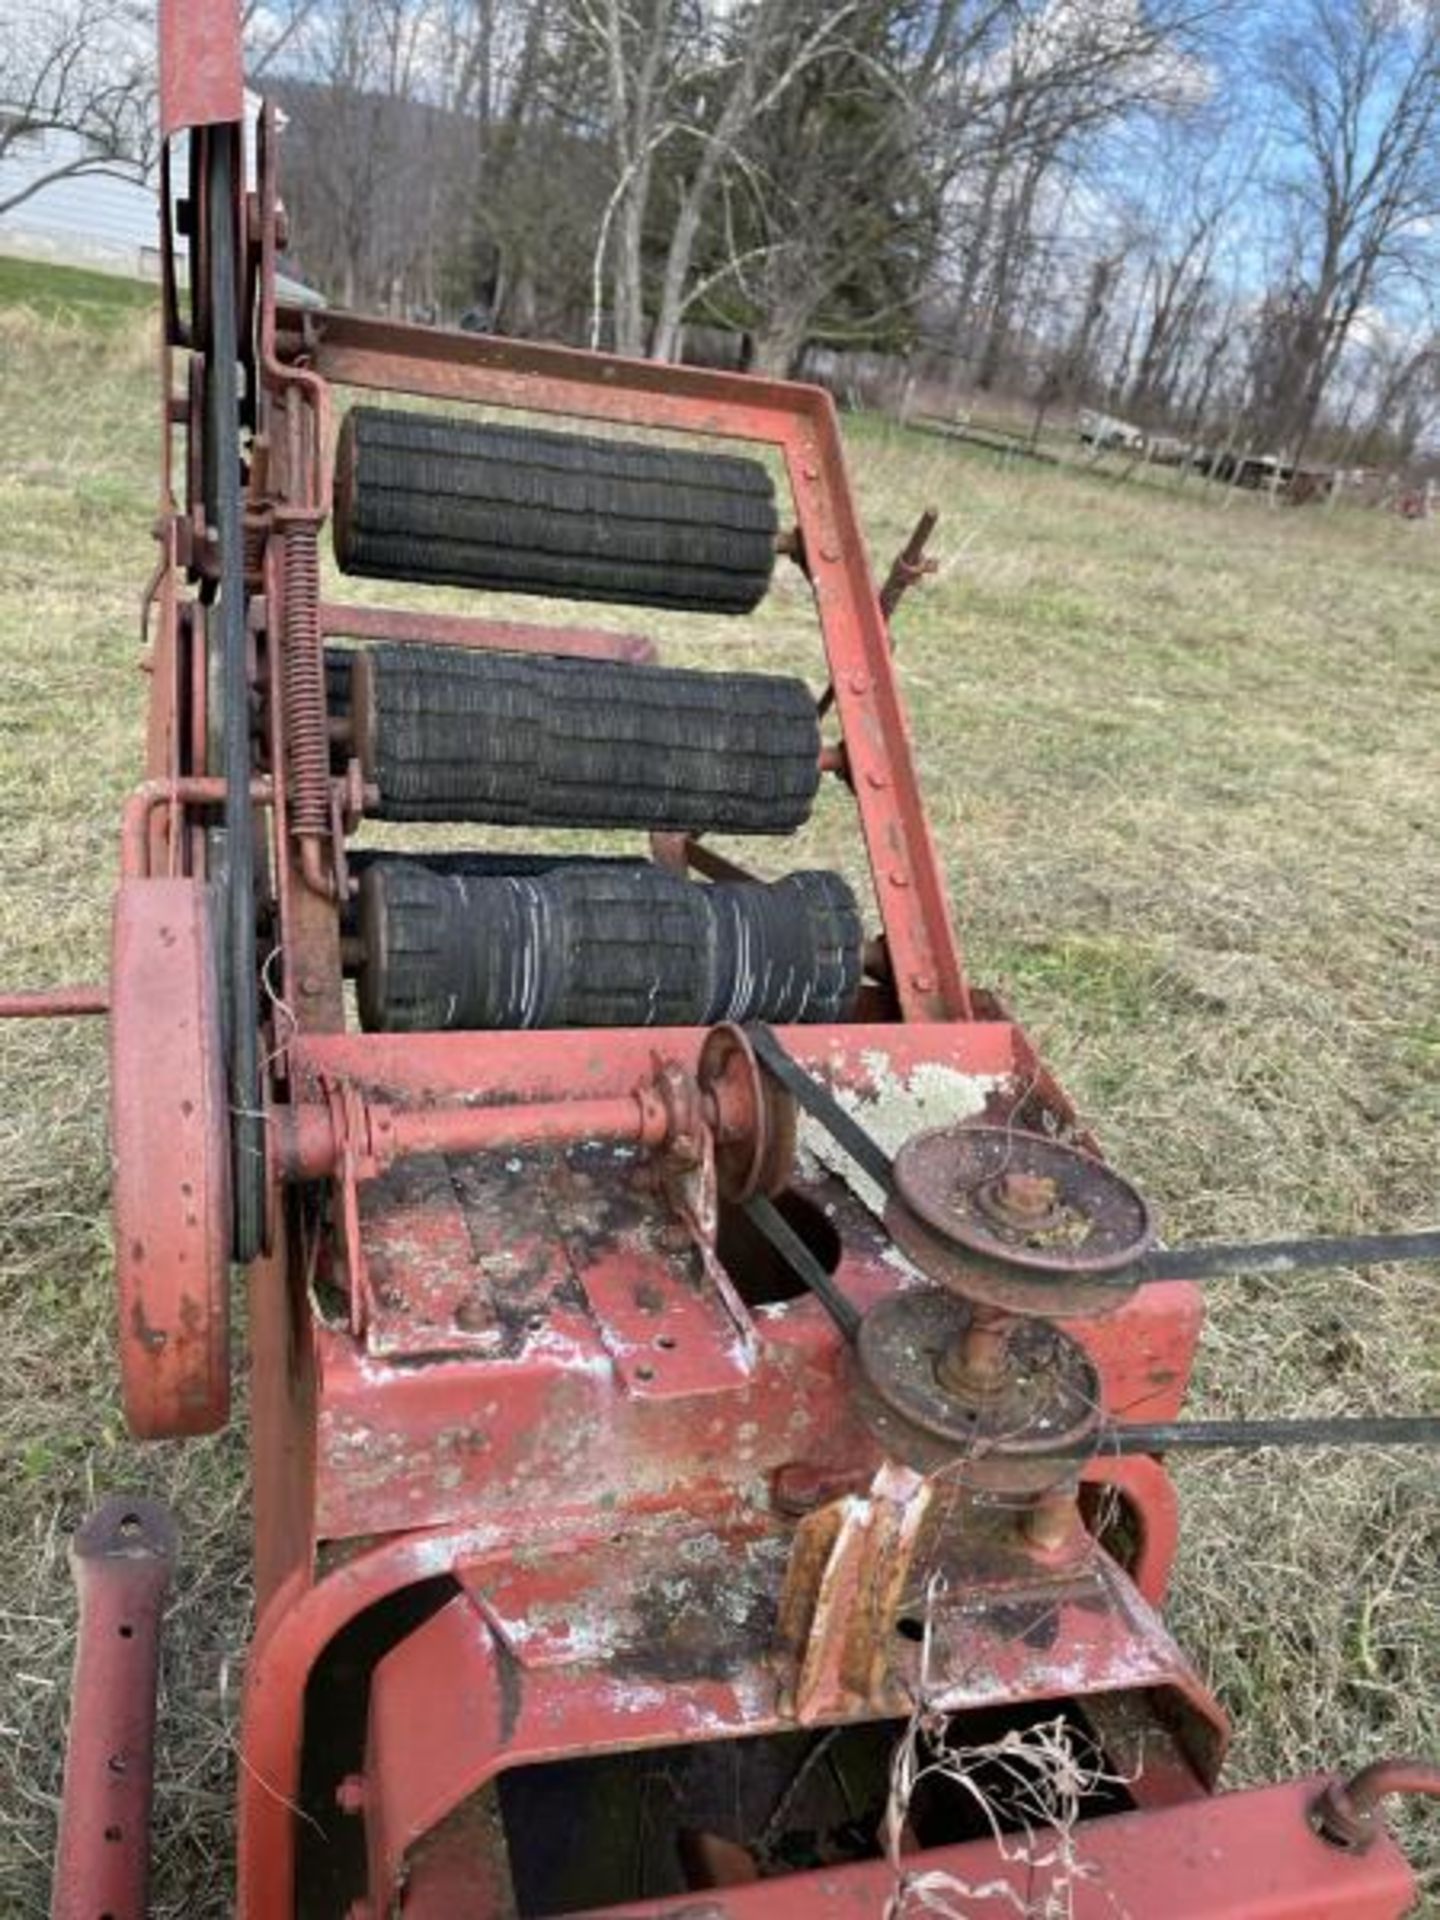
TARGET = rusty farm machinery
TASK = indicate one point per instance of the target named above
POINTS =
(703, 1386)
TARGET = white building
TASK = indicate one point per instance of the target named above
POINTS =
(96, 220)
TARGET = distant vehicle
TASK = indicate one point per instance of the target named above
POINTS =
(1106, 430)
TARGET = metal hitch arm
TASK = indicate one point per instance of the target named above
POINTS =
(121, 1559)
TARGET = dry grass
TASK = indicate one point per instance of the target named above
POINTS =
(1182, 765)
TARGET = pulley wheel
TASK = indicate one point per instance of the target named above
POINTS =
(1028, 1434)
(1019, 1221)
(756, 1131)
(170, 1139)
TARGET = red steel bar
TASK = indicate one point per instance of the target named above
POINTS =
(54, 1003)
(192, 790)
(121, 1559)
(310, 1144)
(462, 630)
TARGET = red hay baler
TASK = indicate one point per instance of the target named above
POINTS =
(708, 1401)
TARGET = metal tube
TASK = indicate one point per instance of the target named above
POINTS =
(309, 1143)
(54, 1003)
(200, 790)
(463, 1130)
(121, 1559)
(401, 624)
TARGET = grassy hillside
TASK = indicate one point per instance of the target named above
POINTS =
(1183, 767)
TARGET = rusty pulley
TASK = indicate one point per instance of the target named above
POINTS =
(170, 1141)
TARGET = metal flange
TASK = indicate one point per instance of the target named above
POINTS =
(753, 1117)
(1019, 1436)
(1019, 1221)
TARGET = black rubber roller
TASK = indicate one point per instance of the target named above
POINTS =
(420, 497)
(601, 946)
(542, 741)
(476, 864)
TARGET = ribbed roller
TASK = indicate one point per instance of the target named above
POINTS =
(599, 946)
(472, 504)
(541, 741)
(476, 863)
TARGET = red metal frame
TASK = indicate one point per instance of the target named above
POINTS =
(523, 1381)
(1238, 1856)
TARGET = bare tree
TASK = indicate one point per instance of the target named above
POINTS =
(848, 177)
(1358, 85)
(1054, 78)
(373, 151)
(79, 69)
(683, 81)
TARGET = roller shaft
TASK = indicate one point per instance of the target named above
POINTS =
(418, 497)
(552, 742)
(600, 946)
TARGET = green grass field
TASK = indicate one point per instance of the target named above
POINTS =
(1184, 767)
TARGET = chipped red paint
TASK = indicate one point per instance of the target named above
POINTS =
(498, 1360)
(1235, 1857)
(202, 64)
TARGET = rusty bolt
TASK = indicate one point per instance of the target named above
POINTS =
(351, 1795)
(797, 1488)
(1028, 1196)
(1052, 1525)
(800, 1486)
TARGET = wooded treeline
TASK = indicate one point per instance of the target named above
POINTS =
(1215, 217)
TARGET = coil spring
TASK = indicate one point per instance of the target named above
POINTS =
(304, 679)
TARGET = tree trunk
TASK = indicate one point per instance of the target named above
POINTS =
(665, 341)
(777, 344)
(628, 273)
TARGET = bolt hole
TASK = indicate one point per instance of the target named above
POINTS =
(131, 1527)
(117, 1763)
(127, 1632)
(644, 1373)
(665, 1341)
(113, 1834)
(909, 1628)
